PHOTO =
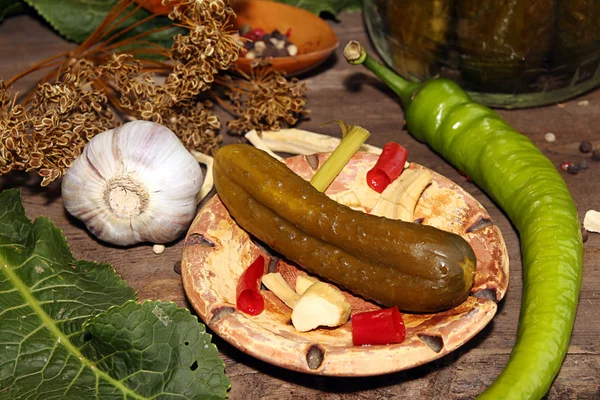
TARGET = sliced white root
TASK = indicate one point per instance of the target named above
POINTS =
(349, 199)
(298, 141)
(208, 183)
(280, 288)
(399, 199)
(314, 303)
(259, 143)
(321, 305)
(303, 282)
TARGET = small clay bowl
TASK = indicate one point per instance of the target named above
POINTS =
(313, 37)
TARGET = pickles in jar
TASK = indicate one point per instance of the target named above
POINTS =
(503, 44)
(576, 52)
(418, 35)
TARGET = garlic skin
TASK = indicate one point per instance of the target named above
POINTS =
(136, 183)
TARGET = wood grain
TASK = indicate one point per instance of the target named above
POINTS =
(340, 91)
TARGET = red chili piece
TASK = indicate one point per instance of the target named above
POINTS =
(388, 167)
(378, 327)
(288, 33)
(249, 299)
(255, 34)
(565, 165)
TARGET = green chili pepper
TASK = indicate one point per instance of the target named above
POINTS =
(528, 187)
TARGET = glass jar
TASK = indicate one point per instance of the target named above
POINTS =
(514, 53)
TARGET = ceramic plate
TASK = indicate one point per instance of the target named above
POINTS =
(217, 251)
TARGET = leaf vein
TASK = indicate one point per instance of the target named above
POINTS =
(50, 324)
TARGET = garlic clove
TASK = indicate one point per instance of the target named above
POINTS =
(133, 184)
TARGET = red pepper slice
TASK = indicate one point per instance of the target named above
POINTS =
(388, 167)
(249, 298)
(255, 34)
(378, 327)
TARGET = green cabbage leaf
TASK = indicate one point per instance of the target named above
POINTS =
(72, 329)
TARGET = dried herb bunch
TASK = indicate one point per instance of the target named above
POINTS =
(263, 101)
(99, 85)
(51, 132)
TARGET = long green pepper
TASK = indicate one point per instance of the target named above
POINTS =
(528, 187)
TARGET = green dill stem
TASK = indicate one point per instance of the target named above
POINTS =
(338, 159)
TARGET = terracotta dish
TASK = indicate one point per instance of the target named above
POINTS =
(312, 36)
(217, 251)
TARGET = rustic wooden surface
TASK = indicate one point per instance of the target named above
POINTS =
(340, 91)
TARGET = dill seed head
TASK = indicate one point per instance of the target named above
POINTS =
(265, 100)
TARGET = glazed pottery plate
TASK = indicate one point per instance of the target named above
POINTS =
(217, 251)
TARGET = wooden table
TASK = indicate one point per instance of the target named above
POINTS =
(340, 91)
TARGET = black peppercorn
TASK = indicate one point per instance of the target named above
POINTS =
(585, 147)
(583, 164)
(177, 267)
(596, 155)
(573, 169)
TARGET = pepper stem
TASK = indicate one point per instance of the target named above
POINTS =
(355, 54)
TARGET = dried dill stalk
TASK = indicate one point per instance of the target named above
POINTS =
(97, 86)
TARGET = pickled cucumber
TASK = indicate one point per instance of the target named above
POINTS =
(418, 35)
(576, 51)
(415, 267)
(503, 44)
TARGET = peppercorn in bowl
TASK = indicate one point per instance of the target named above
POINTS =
(292, 39)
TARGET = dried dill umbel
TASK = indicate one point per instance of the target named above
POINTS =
(137, 95)
(265, 100)
(52, 131)
(97, 86)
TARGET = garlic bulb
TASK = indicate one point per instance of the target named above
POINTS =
(133, 184)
